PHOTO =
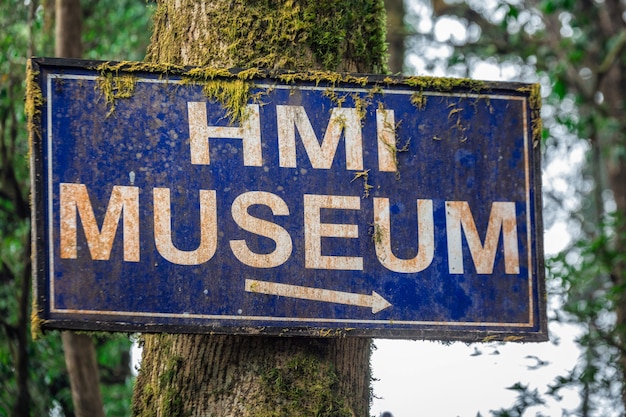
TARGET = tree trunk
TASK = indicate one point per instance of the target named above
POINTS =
(21, 407)
(80, 356)
(228, 375)
(616, 167)
(612, 84)
(80, 359)
(395, 34)
(69, 22)
(222, 375)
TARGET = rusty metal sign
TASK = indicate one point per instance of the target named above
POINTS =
(196, 200)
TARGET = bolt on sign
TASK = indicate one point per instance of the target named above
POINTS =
(320, 204)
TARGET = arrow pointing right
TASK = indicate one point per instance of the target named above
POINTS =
(374, 301)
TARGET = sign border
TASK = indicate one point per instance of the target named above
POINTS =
(43, 243)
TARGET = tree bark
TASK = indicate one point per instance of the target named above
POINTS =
(80, 356)
(395, 34)
(68, 31)
(230, 375)
(80, 359)
(223, 375)
(612, 85)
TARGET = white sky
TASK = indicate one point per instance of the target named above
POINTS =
(432, 379)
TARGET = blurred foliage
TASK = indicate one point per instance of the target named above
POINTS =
(116, 30)
(113, 30)
(576, 50)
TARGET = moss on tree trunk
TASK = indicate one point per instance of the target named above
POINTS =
(223, 375)
(229, 375)
(346, 35)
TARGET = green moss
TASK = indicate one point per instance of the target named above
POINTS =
(419, 99)
(162, 396)
(392, 147)
(35, 322)
(33, 102)
(286, 34)
(444, 84)
(34, 96)
(337, 99)
(377, 233)
(233, 95)
(171, 369)
(32, 108)
(114, 87)
(233, 88)
(249, 73)
(361, 105)
(144, 407)
(366, 185)
(376, 89)
(200, 74)
(117, 81)
(136, 67)
(330, 77)
(534, 100)
(303, 386)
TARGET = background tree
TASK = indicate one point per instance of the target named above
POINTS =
(396, 34)
(33, 378)
(255, 375)
(80, 354)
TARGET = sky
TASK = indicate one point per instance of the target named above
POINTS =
(431, 379)
(419, 378)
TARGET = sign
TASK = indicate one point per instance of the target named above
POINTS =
(197, 200)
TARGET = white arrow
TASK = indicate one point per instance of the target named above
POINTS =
(375, 301)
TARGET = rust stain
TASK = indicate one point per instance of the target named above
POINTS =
(74, 202)
(342, 120)
(200, 133)
(314, 230)
(163, 229)
(261, 227)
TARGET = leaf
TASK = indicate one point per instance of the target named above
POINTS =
(560, 89)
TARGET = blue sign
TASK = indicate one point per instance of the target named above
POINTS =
(386, 207)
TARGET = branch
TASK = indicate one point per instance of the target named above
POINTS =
(613, 54)
(608, 338)
(585, 90)
(10, 329)
(8, 145)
